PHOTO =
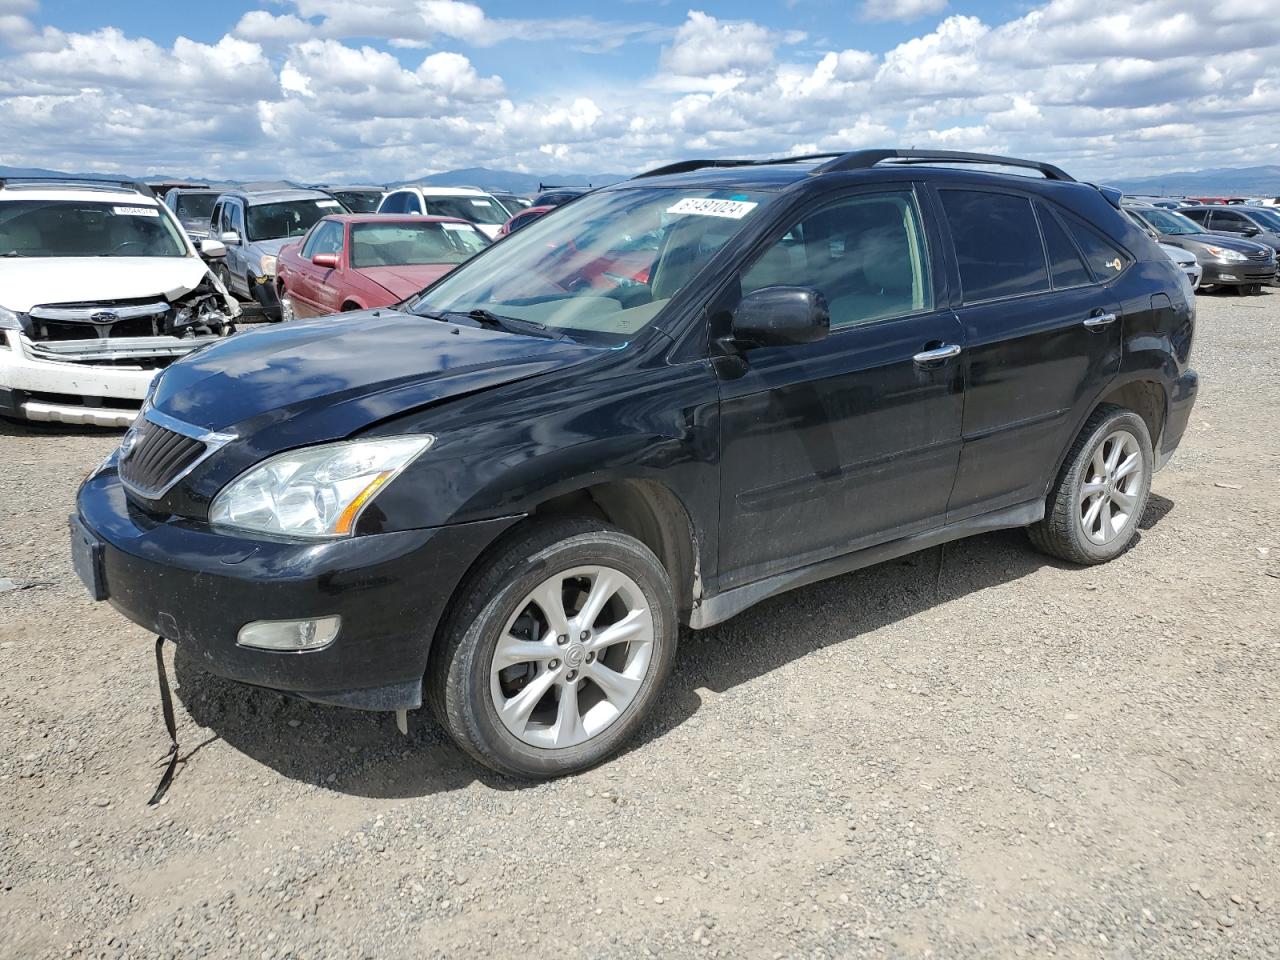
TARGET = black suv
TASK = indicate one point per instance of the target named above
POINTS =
(674, 398)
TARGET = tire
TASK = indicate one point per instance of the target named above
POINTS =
(1106, 443)
(286, 307)
(553, 738)
(224, 276)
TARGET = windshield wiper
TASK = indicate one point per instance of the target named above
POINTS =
(494, 321)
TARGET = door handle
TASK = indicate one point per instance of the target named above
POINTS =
(931, 358)
(1100, 320)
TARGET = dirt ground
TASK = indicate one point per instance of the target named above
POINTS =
(1016, 758)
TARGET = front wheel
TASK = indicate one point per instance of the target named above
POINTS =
(557, 651)
(1093, 510)
(286, 307)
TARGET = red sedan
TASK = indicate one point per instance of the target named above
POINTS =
(360, 261)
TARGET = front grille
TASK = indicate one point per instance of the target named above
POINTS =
(116, 318)
(1263, 255)
(153, 457)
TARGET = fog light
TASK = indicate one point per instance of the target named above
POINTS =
(1227, 276)
(289, 634)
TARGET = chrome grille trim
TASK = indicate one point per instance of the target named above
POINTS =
(167, 453)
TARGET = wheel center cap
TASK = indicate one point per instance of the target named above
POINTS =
(575, 655)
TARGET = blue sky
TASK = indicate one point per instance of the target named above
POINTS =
(387, 89)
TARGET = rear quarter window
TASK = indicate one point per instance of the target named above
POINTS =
(997, 244)
(1105, 259)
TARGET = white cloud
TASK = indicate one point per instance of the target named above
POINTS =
(316, 89)
(904, 10)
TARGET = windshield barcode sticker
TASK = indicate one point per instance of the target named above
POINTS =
(135, 211)
(328, 204)
(479, 203)
(708, 207)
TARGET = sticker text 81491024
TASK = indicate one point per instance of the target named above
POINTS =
(710, 207)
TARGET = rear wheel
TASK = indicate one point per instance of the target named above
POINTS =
(1093, 510)
(557, 651)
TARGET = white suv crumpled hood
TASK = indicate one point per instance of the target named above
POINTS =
(28, 281)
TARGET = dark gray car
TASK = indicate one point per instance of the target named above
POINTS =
(1259, 224)
(1227, 261)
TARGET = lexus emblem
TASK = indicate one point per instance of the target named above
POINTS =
(104, 316)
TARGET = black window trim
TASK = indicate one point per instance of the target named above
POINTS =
(1129, 256)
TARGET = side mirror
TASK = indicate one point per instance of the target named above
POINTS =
(212, 248)
(1251, 231)
(781, 316)
(327, 260)
(230, 238)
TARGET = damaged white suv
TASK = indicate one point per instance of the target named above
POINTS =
(100, 288)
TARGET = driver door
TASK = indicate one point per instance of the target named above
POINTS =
(853, 440)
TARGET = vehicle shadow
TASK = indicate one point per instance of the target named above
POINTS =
(362, 754)
(10, 427)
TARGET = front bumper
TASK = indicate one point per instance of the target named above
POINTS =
(37, 383)
(1237, 273)
(264, 291)
(1181, 400)
(197, 587)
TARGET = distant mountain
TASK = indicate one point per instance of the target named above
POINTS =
(1261, 181)
(503, 180)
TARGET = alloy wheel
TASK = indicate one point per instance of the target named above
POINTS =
(1112, 487)
(573, 657)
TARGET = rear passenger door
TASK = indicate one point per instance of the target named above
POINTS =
(1043, 335)
(853, 440)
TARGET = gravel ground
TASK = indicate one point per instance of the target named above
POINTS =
(1018, 758)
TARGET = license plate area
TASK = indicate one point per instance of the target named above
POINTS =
(86, 557)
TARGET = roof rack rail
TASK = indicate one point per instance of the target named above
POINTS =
(543, 187)
(866, 159)
(86, 183)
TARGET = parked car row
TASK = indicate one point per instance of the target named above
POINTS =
(1243, 260)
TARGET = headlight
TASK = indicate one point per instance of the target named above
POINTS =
(1231, 256)
(267, 266)
(314, 492)
(9, 320)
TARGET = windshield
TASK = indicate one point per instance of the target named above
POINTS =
(1169, 223)
(290, 218)
(476, 209)
(603, 267)
(401, 244)
(74, 228)
(195, 206)
(359, 201)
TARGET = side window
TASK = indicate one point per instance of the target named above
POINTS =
(865, 253)
(215, 218)
(237, 218)
(325, 238)
(1105, 259)
(394, 203)
(412, 203)
(1198, 214)
(1229, 221)
(1065, 263)
(997, 244)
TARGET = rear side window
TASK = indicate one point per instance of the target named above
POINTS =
(394, 203)
(1105, 259)
(1065, 263)
(997, 244)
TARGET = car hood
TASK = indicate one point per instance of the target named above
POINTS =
(328, 377)
(28, 281)
(272, 246)
(1177, 254)
(1218, 240)
(404, 281)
